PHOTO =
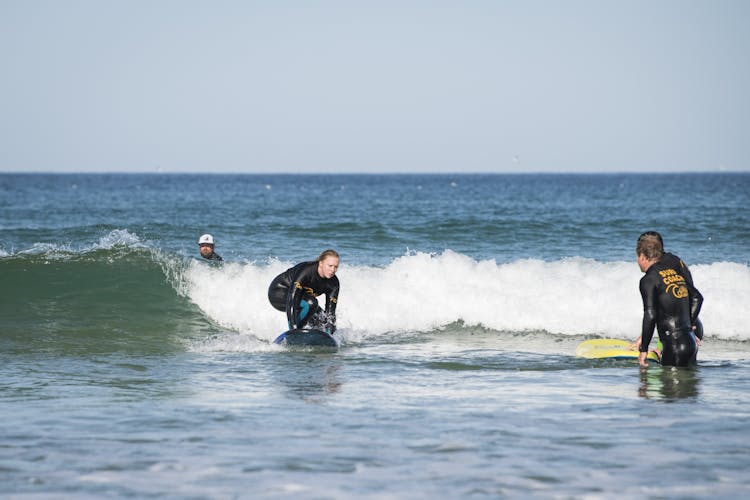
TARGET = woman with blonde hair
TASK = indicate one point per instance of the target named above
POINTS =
(295, 290)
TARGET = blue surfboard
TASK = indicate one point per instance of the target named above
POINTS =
(306, 338)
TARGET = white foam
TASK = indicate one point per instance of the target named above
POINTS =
(725, 287)
(118, 238)
(236, 296)
(114, 239)
(422, 292)
(47, 249)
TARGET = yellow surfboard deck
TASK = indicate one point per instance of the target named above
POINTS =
(609, 348)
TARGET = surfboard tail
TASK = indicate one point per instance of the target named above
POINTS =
(610, 349)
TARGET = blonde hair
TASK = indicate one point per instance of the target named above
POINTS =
(328, 253)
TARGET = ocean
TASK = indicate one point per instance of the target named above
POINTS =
(131, 368)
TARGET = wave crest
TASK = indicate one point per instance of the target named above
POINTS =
(423, 292)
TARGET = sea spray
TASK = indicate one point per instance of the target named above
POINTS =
(423, 292)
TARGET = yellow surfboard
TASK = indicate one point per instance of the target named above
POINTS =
(609, 348)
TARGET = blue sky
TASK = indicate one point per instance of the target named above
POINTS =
(347, 86)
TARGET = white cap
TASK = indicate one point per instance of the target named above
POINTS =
(206, 239)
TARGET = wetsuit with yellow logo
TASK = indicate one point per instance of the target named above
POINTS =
(294, 292)
(671, 259)
(670, 304)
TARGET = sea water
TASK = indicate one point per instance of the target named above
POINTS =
(129, 367)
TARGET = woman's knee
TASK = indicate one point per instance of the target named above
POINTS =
(277, 297)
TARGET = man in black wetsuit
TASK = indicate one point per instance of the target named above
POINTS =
(295, 290)
(669, 303)
(206, 247)
(675, 262)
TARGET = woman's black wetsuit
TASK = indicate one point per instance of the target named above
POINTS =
(294, 292)
(670, 304)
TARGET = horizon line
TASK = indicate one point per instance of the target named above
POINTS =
(477, 172)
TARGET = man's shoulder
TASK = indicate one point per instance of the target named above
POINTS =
(651, 274)
(673, 260)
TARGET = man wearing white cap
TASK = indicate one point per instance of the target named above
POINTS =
(206, 245)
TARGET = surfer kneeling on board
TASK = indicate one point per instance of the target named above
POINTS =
(295, 290)
(670, 305)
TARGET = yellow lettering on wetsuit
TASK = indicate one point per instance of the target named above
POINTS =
(670, 276)
(675, 283)
(307, 289)
(679, 291)
(667, 272)
(673, 279)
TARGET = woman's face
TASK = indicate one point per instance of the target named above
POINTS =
(327, 267)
